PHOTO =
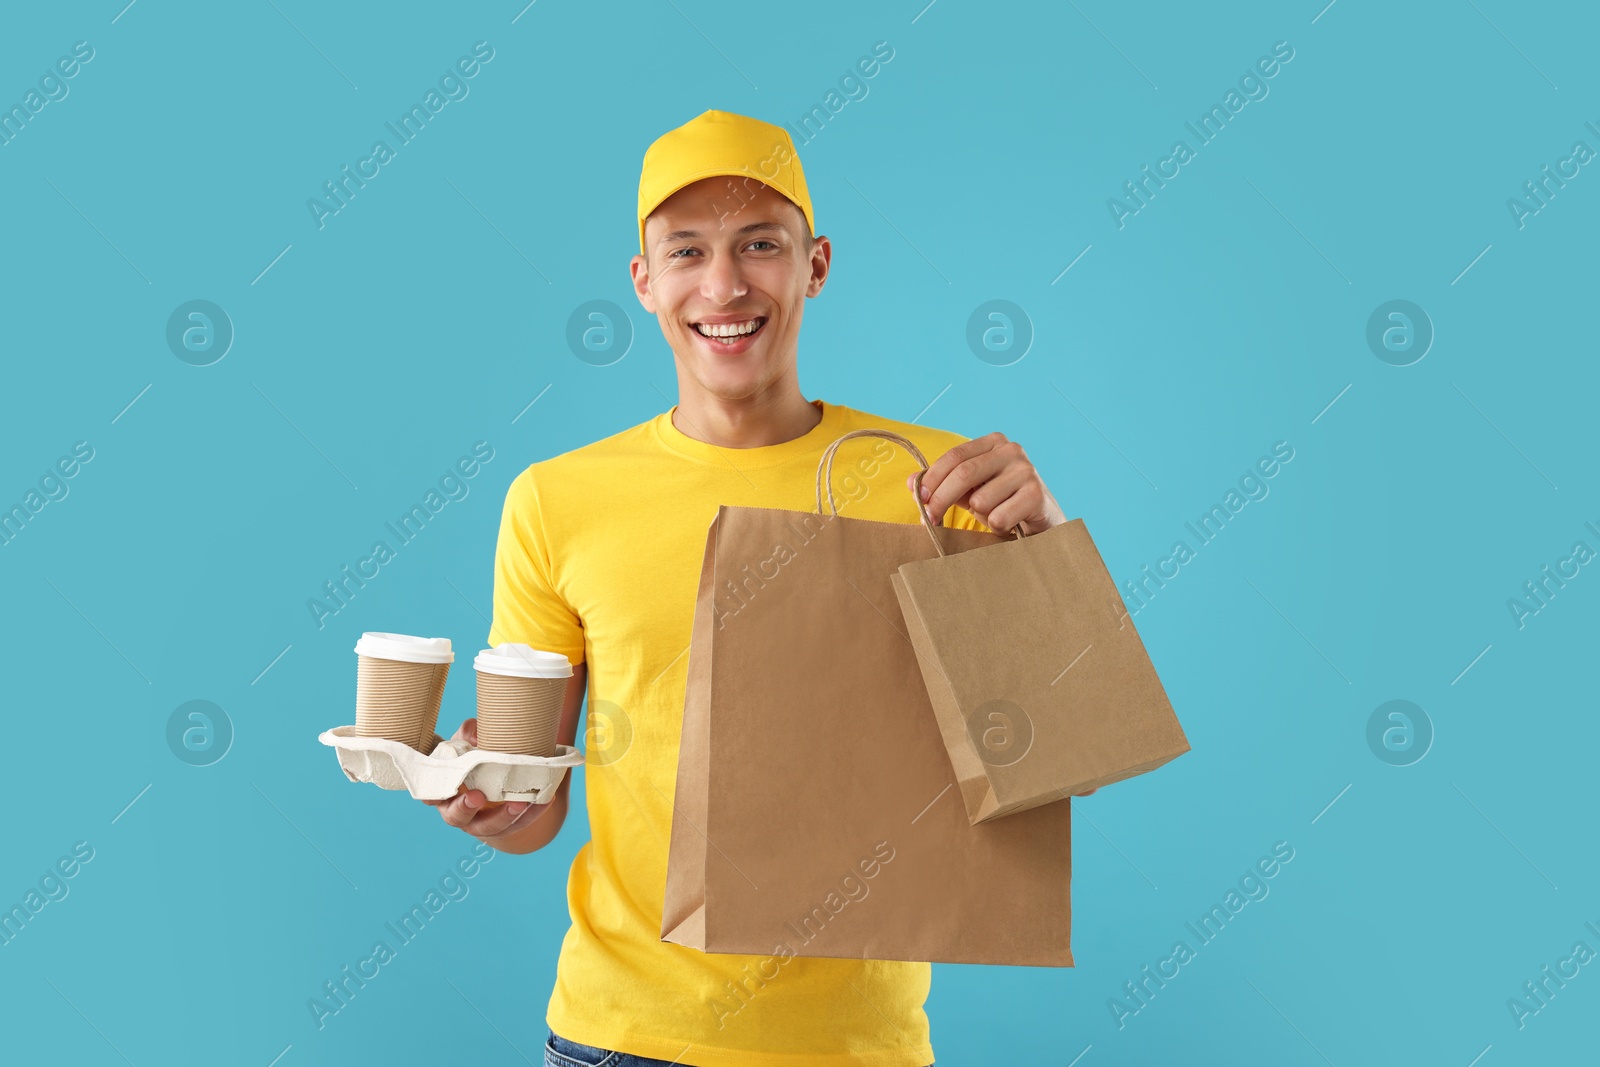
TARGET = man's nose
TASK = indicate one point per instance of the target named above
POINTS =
(723, 281)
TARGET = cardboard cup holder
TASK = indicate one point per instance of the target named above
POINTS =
(447, 765)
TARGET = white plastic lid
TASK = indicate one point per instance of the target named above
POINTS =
(405, 648)
(522, 661)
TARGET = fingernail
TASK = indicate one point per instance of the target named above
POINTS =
(926, 493)
(517, 808)
(472, 802)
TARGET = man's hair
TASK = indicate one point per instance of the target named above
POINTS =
(805, 228)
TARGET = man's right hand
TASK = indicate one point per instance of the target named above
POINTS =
(471, 811)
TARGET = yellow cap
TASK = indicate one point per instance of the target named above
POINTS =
(716, 143)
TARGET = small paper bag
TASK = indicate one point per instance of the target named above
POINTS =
(1040, 683)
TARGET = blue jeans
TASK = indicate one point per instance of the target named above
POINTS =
(559, 1052)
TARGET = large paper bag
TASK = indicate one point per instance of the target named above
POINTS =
(1040, 683)
(816, 811)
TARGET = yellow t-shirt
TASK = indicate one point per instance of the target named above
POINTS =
(599, 558)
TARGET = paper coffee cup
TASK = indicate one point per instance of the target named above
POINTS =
(399, 686)
(520, 691)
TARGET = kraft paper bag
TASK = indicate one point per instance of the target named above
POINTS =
(1040, 684)
(816, 812)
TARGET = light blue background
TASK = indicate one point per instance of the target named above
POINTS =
(1225, 316)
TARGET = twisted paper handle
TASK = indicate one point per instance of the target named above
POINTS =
(825, 477)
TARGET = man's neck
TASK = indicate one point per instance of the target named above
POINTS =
(750, 423)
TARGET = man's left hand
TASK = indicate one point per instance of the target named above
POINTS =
(992, 478)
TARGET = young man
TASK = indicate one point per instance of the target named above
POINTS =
(599, 558)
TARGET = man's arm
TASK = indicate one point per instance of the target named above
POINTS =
(518, 827)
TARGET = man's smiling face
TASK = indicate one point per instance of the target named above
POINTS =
(727, 276)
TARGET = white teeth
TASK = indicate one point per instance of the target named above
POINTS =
(732, 329)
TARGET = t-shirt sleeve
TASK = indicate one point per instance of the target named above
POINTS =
(527, 608)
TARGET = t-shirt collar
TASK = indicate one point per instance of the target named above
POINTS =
(812, 442)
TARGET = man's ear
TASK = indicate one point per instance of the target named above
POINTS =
(821, 261)
(639, 269)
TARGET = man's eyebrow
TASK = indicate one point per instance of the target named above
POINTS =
(679, 235)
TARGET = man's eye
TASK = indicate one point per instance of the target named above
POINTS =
(762, 241)
(674, 253)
